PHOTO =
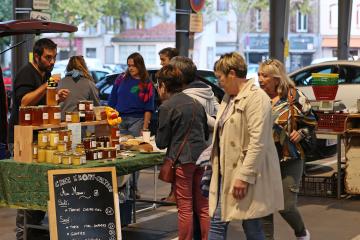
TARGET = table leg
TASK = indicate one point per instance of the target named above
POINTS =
(133, 196)
(338, 146)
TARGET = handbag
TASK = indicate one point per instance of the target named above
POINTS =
(167, 170)
(308, 143)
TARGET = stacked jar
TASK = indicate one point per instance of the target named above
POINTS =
(86, 110)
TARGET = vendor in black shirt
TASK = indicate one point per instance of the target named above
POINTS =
(29, 90)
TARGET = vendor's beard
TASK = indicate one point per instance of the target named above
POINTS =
(43, 68)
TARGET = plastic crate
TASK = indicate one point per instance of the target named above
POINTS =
(325, 78)
(321, 186)
(325, 92)
(331, 121)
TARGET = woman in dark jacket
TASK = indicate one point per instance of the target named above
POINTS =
(183, 119)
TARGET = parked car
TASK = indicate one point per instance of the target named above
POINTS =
(348, 92)
(94, 65)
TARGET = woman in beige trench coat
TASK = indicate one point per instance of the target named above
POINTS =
(246, 181)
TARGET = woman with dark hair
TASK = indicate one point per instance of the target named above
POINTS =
(183, 131)
(133, 97)
(80, 84)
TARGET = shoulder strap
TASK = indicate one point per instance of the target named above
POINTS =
(186, 135)
(291, 99)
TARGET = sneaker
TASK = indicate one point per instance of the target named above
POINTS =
(306, 237)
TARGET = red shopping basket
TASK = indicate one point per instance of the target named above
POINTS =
(331, 121)
(325, 92)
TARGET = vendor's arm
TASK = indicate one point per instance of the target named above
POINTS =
(147, 118)
(33, 97)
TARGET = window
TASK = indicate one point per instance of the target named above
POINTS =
(301, 22)
(358, 16)
(333, 16)
(222, 5)
(258, 23)
(109, 55)
(148, 52)
(222, 27)
(91, 52)
(125, 51)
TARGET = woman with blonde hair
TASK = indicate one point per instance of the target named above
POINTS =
(246, 181)
(79, 82)
(293, 123)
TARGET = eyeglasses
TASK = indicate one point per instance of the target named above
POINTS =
(271, 61)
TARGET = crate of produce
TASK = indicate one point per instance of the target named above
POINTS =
(321, 186)
(331, 121)
(325, 79)
(325, 92)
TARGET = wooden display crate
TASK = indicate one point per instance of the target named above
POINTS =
(24, 135)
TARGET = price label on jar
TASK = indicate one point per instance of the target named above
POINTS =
(45, 116)
(100, 155)
(95, 156)
(91, 106)
(44, 139)
(93, 144)
(81, 106)
(57, 115)
(68, 118)
(27, 117)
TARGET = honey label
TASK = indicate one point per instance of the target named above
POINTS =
(68, 118)
(57, 115)
(44, 139)
(27, 117)
(81, 107)
(56, 97)
(56, 140)
(45, 116)
(66, 138)
(99, 155)
(35, 152)
(91, 106)
(93, 144)
(95, 156)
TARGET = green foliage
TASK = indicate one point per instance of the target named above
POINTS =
(5, 15)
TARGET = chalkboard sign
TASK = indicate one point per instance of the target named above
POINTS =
(84, 204)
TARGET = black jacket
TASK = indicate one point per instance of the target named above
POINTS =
(175, 117)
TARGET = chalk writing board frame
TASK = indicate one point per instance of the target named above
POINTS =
(53, 224)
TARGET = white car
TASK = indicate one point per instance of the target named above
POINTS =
(349, 79)
(94, 65)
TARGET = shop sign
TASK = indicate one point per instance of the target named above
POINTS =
(41, 4)
(196, 22)
(40, 16)
(301, 42)
(84, 204)
(257, 42)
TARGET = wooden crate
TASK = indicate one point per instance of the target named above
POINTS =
(24, 135)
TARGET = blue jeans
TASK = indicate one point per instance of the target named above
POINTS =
(132, 126)
(218, 228)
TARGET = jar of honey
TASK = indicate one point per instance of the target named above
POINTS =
(41, 154)
(61, 147)
(78, 159)
(89, 116)
(68, 116)
(85, 105)
(116, 144)
(45, 114)
(35, 151)
(50, 153)
(80, 148)
(115, 132)
(25, 114)
(111, 152)
(100, 153)
(54, 114)
(66, 158)
(82, 116)
(75, 117)
(91, 154)
(51, 96)
(53, 138)
(57, 157)
(43, 138)
(87, 143)
(36, 116)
